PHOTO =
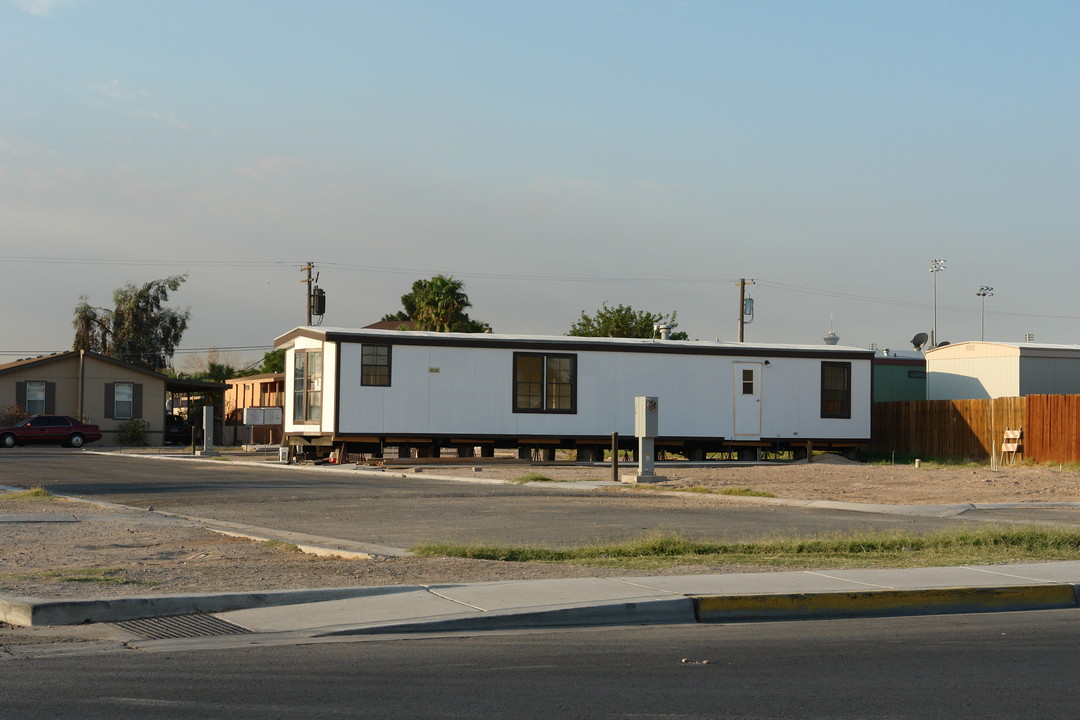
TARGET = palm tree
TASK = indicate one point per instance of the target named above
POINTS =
(439, 304)
(440, 301)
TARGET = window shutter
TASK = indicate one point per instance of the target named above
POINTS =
(136, 400)
(50, 398)
(20, 394)
(110, 398)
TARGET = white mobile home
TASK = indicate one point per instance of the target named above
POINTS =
(362, 390)
(973, 370)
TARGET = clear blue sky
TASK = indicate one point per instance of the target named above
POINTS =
(554, 155)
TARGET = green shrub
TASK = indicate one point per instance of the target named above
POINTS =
(133, 432)
(11, 415)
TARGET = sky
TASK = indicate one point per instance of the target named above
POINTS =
(554, 156)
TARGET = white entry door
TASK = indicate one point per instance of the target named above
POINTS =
(748, 400)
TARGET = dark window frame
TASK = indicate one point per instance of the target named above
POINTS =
(545, 395)
(369, 376)
(22, 389)
(129, 403)
(836, 401)
(44, 400)
(136, 400)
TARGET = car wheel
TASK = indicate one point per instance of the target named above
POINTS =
(7, 441)
(75, 441)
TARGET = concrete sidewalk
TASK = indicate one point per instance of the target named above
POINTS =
(310, 615)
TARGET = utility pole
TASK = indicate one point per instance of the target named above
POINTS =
(984, 292)
(936, 266)
(743, 282)
(310, 283)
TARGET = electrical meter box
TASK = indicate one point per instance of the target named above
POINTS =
(262, 416)
(646, 417)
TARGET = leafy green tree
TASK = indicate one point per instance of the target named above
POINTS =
(217, 372)
(139, 329)
(623, 321)
(273, 362)
(437, 305)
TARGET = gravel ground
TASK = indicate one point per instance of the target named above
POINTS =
(150, 554)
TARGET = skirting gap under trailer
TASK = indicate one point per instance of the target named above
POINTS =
(360, 391)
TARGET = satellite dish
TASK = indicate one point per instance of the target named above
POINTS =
(943, 343)
(919, 340)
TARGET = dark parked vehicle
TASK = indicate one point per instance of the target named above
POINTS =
(177, 430)
(54, 429)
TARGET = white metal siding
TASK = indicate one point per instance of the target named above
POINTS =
(329, 386)
(469, 391)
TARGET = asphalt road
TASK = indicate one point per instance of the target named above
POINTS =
(402, 512)
(1007, 665)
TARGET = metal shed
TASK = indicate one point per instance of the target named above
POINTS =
(972, 370)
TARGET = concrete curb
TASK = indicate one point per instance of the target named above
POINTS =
(310, 544)
(28, 612)
(878, 603)
(668, 611)
(684, 609)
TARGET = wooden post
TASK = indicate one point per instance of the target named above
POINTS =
(809, 451)
(614, 457)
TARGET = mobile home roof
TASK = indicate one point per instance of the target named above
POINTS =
(564, 343)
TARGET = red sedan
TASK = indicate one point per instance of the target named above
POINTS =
(53, 429)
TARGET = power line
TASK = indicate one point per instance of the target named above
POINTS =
(353, 268)
(179, 351)
(516, 277)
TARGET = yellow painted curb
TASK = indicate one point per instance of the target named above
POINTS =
(722, 608)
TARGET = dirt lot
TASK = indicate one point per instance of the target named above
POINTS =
(155, 555)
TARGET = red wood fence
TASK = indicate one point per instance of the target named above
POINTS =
(975, 429)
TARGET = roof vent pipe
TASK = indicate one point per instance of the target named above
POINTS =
(665, 331)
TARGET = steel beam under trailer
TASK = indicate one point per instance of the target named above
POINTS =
(543, 449)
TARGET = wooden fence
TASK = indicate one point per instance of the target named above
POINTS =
(974, 429)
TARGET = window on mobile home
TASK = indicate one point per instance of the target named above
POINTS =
(375, 366)
(123, 401)
(747, 382)
(35, 398)
(545, 383)
(836, 390)
(307, 386)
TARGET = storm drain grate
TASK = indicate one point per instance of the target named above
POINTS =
(181, 626)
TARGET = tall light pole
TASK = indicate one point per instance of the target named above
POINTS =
(936, 266)
(984, 292)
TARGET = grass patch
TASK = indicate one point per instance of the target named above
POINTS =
(982, 546)
(886, 458)
(35, 494)
(537, 477)
(531, 477)
(702, 490)
(743, 492)
(97, 576)
(281, 546)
